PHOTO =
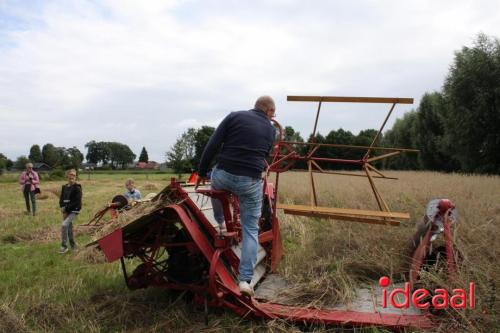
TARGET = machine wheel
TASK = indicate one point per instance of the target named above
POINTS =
(183, 266)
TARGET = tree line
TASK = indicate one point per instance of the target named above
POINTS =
(106, 154)
(55, 157)
(455, 129)
(113, 154)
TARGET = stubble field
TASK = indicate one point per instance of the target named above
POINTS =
(43, 291)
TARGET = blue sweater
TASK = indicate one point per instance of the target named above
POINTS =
(245, 139)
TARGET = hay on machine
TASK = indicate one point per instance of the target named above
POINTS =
(130, 214)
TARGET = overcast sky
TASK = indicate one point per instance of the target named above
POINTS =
(142, 72)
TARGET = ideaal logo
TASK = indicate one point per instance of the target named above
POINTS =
(420, 298)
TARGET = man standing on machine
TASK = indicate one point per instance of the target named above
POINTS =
(245, 139)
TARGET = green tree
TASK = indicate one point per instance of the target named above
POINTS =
(181, 155)
(97, 152)
(50, 155)
(35, 154)
(402, 135)
(3, 163)
(365, 138)
(472, 92)
(290, 134)
(9, 164)
(343, 137)
(189, 143)
(73, 158)
(176, 158)
(125, 156)
(20, 162)
(201, 137)
(120, 154)
(430, 131)
(143, 157)
(63, 160)
(115, 153)
(318, 138)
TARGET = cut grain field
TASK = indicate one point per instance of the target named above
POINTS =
(43, 291)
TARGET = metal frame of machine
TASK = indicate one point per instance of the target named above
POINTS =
(286, 156)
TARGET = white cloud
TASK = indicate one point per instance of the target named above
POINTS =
(141, 73)
(187, 123)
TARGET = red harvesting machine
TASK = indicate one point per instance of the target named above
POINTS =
(179, 247)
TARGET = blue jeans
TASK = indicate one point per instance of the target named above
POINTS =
(249, 192)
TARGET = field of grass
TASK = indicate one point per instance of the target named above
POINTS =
(43, 291)
(332, 258)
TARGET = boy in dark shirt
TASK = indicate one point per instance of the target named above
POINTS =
(70, 202)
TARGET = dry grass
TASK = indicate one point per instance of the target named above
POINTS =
(52, 189)
(327, 259)
(40, 235)
(42, 196)
(90, 255)
(150, 187)
(145, 311)
(8, 213)
(44, 235)
(10, 321)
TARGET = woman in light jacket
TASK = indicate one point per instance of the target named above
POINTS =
(29, 181)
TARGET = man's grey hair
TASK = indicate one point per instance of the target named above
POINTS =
(264, 102)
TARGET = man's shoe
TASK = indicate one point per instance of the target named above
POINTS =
(74, 247)
(246, 289)
(63, 250)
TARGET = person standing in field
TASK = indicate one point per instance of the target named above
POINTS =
(132, 194)
(245, 139)
(70, 202)
(29, 182)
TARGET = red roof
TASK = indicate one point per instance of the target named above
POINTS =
(149, 165)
